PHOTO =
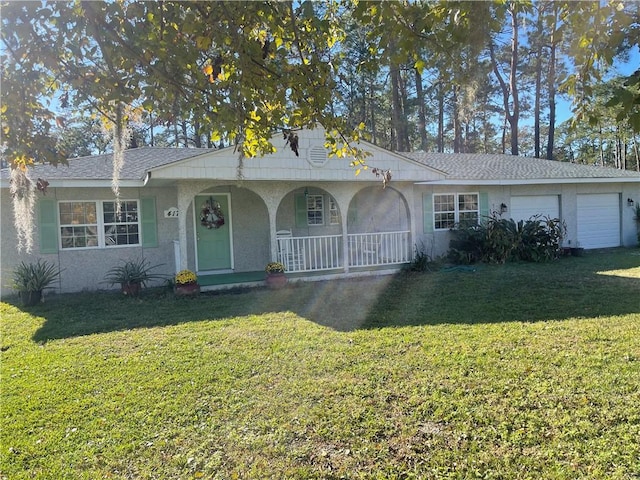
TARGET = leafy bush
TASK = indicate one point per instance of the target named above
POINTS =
(467, 245)
(420, 261)
(499, 240)
(541, 239)
(502, 237)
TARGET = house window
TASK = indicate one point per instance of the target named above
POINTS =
(334, 216)
(78, 224)
(98, 224)
(315, 210)
(121, 227)
(449, 209)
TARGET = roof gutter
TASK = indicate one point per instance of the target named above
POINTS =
(80, 183)
(539, 181)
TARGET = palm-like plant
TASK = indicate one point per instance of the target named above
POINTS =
(34, 277)
(132, 273)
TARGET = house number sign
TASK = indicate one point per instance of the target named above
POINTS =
(171, 213)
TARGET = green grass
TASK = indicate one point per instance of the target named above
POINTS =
(515, 371)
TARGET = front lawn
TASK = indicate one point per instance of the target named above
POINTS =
(514, 371)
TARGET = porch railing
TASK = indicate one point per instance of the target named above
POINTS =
(308, 254)
(375, 249)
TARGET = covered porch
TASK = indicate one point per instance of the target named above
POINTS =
(315, 231)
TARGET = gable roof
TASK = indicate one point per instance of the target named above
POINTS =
(310, 162)
(477, 168)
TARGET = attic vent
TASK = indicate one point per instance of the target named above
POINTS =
(317, 156)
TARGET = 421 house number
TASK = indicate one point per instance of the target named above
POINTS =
(171, 213)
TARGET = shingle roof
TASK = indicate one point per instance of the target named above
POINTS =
(137, 162)
(481, 167)
(458, 167)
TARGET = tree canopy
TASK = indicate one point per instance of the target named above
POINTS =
(237, 72)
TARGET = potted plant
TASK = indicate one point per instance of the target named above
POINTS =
(275, 275)
(132, 275)
(30, 279)
(186, 283)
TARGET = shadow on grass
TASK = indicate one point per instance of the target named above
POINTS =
(568, 288)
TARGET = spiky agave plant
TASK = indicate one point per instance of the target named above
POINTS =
(34, 277)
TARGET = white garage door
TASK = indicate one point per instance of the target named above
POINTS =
(599, 220)
(525, 207)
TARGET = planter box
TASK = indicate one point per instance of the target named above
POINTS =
(276, 280)
(192, 289)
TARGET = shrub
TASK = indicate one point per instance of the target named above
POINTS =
(541, 239)
(467, 245)
(420, 261)
(499, 240)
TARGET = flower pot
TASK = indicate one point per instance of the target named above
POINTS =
(191, 289)
(131, 289)
(30, 298)
(276, 280)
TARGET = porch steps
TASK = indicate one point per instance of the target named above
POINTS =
(230, 278)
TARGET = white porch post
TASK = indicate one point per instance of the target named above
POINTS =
(343, 195)
(183, 207)
(186, 195)
(344, 213)
(272, 194)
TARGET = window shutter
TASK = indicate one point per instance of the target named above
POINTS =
(427, 212)
(148, 222)
(484, 207)
(48, 225)
(301, 210)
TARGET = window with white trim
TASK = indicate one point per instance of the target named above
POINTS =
(94, 224)
(334, 215)
(452, 208)
(315, 210)
(121, 225)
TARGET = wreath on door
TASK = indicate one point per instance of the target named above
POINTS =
(211, 215)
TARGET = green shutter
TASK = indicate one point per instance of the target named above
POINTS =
(427, 212)
(48, 225)
(301, 210)
(148, 222)
(484, 207)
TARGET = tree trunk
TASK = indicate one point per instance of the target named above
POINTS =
(515, 116)
(396, 109)
(538, 86)
(552, 86)
(422, 116)
(509, 92)
(457, 130)
(197, 140)
(440, 118)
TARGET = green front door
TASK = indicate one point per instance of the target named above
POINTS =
(213, 232)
